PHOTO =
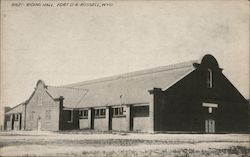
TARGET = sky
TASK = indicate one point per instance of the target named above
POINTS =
(63, 44)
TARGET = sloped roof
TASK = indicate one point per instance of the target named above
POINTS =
(130, 88)
(17, 109)
(72, 96)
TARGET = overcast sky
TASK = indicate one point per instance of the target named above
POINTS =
(63, 45)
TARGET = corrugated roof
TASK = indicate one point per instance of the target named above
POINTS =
(130, 88)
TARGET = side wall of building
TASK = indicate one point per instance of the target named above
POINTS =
(14, 118)
(180, 108)
(42, 111)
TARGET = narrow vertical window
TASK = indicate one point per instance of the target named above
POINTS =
(209, 78)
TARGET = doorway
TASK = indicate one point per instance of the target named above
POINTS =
(39, 124)
(210, 126)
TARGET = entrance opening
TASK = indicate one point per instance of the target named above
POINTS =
(210, 126)
(39, 124)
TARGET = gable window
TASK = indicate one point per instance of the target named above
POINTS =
(209, 78)
(83, 114)
(70, 116)
(118, 111)
(100, 112)
(48, 114)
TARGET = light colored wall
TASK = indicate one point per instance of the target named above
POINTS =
(100, 124)
(16, 125)
(84, 124)
(47, 104)
(119, 124)
(8, 125)
(142, 124)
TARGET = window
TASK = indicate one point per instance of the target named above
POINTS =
(83, 114)
(100, 112)
(118, 111)
(209, 78)
(48, 114)
(70, 116)
(140, 111)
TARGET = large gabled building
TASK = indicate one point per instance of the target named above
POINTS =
(193, 96)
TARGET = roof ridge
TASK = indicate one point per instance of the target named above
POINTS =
(72, 88)
(134, 73)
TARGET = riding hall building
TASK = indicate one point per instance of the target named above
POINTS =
(193, 96)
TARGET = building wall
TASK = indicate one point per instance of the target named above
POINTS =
(8, 125)
(84, 124)
(101, 124)
(179, 108)
(141, 118)
(17, 125)
(36, 109)
(141, 124)
(119, 123)
(6, 117)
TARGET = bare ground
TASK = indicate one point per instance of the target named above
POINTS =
(86, 143)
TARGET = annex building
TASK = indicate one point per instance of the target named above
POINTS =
(192, 96)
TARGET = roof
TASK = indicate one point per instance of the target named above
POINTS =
(72, 96)
(17, 109)
(130, 88)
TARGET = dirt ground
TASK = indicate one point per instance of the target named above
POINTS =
(85, 143)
